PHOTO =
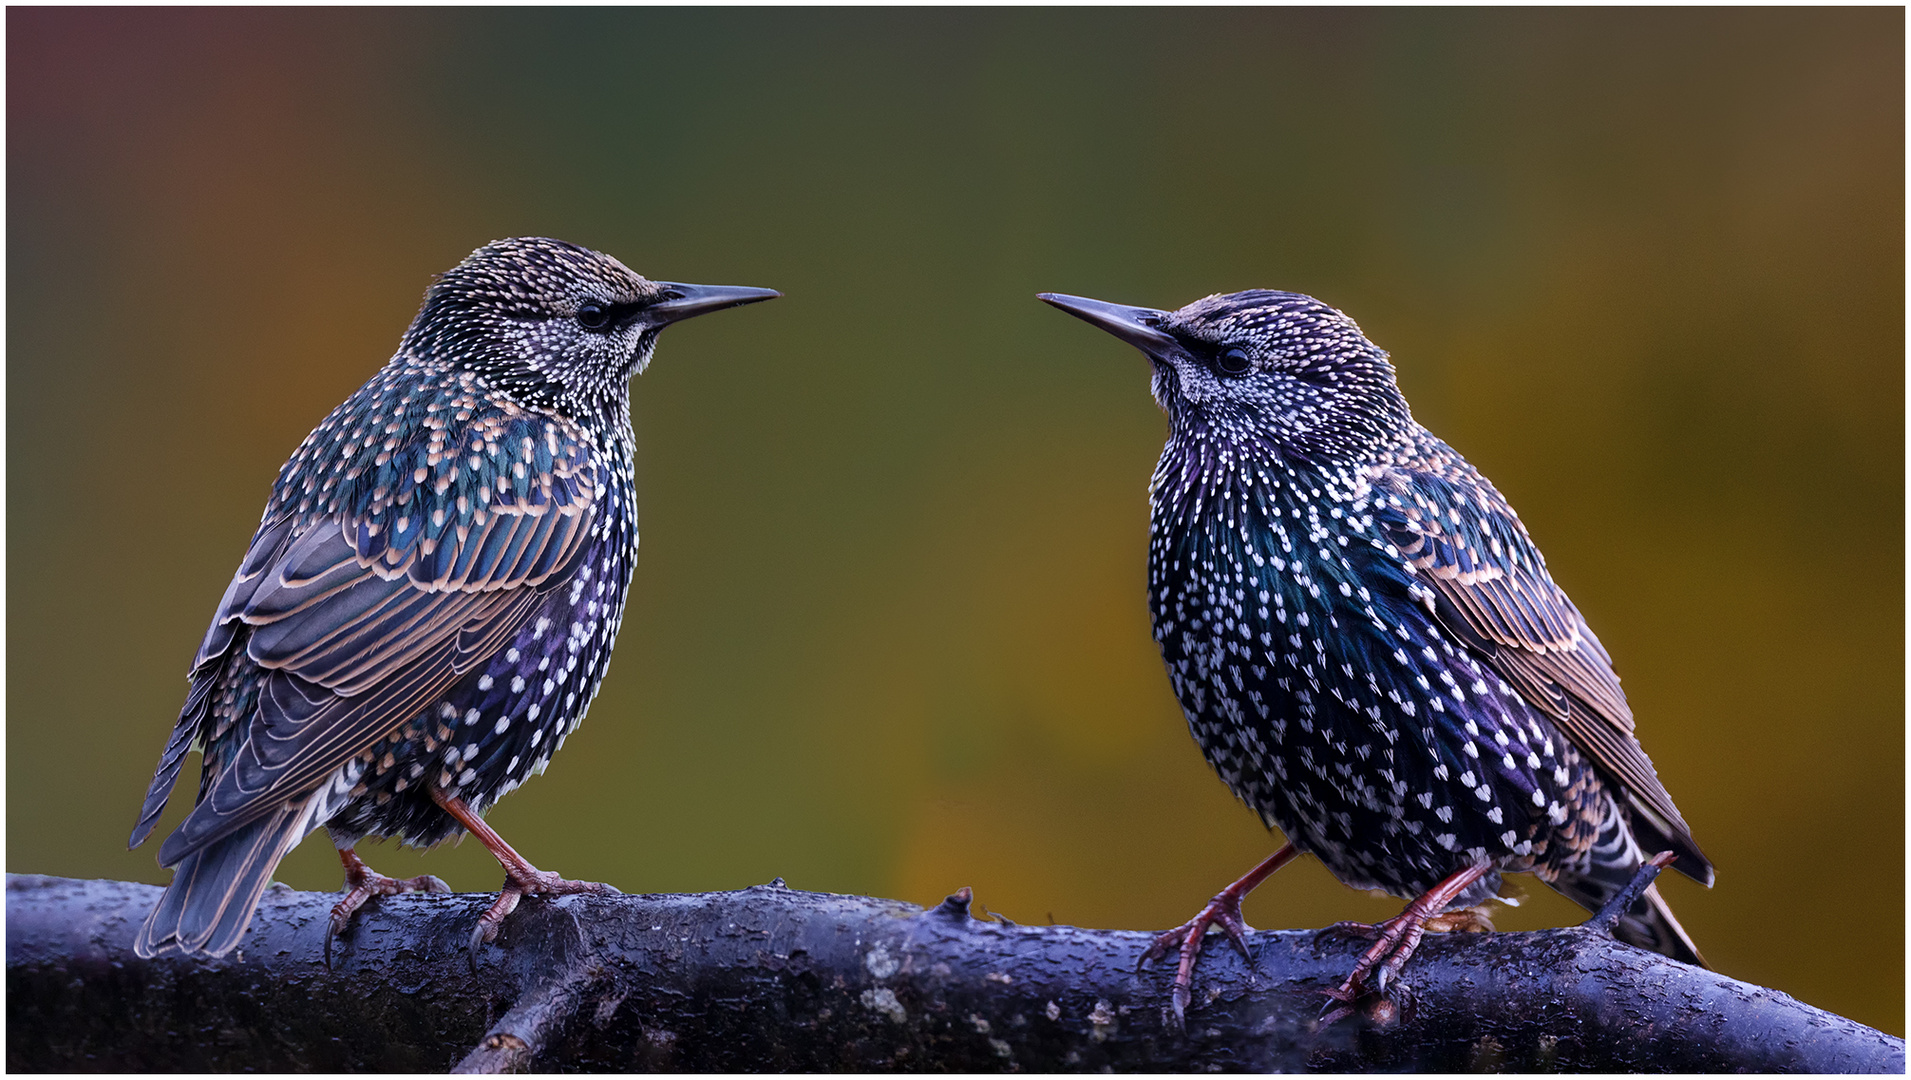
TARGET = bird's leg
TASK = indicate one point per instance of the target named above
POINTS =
(1399, 936)
(520, 877)
(1224, 910)
(361, 884)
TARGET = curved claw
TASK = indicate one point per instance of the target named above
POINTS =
(1218, 912)
(486, 930)
(1354, 986)
(1398, 937)
(520, 877)
(475, 943)
(361, 884)
(1225, 911)
(1236, 931)
(1159, 947)
(534, 882)
(1334, 1011)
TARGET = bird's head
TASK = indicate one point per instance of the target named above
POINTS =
(1273, 367)
(553, 324)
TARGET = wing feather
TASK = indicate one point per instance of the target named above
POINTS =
(362, 628)
(1522, 625)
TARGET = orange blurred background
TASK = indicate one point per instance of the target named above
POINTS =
(888, 634)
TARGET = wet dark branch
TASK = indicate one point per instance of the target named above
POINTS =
(772, 978)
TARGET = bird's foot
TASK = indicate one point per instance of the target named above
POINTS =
(519, 883)
(361, 884)
(1395, 940)
(1223, 911)
(521, 879)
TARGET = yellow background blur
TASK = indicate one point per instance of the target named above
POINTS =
(888, 633)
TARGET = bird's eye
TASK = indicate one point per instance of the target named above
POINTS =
(592, 315)
(1233, 361)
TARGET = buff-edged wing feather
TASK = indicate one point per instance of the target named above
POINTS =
(1487, 583)
(362, 625)
(267, 546)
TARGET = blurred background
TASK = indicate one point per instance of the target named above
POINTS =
(888, 633)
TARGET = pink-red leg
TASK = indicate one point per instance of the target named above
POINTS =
(1224, 910)
(1397, 938)
(361, 884)
(520, 877)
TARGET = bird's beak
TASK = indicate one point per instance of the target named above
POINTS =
(1138, 326)
(687, 301)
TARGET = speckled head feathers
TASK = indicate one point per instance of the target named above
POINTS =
(534, 277)
(1276, 368)
(557, 325)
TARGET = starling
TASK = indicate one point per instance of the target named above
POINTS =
(428, 606)
(1367, 644)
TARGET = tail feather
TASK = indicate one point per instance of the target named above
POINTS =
(1650, 923)
(1655, 835)
(1615, 857)
(1660, 931)
(215, 890)
(185, 733)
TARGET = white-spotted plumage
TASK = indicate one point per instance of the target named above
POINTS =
(1365, 642)
(384, 656)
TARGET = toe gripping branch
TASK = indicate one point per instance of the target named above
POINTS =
(361, 884)
(1396, 940)
(1223, 911)
(520, 877)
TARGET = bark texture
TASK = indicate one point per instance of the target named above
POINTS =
(773, 978)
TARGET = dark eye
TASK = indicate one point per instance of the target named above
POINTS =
(1233, 361)
(592, 315)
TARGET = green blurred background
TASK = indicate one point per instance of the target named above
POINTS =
(888, 634)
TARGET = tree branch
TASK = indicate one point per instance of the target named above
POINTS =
(772, 978)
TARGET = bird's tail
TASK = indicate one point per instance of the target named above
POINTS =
(215, 889)
(1615, 859)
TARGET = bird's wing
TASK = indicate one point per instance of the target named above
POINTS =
(361, 624)
(1486, 583)
(190, 729)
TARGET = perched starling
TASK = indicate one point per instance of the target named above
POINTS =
(429, 603)
(1366, 642)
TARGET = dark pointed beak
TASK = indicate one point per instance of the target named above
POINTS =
(1138, 326)
(687, 301)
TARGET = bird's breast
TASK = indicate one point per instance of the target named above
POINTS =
(1324, 693)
